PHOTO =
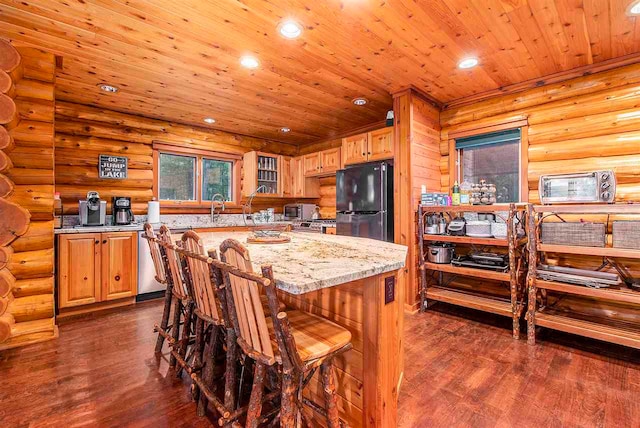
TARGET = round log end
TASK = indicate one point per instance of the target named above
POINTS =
(5, 257)
(9, 57)
(5, 328)
(4, 303)
(17, 222)
(7, 109)
(6, 186)
(5, 162)
(5, 82)
(6, 140)
(7, 281)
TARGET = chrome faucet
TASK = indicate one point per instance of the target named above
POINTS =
(214, 215)
(246, 208)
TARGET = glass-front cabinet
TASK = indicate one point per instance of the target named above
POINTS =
(262, 174)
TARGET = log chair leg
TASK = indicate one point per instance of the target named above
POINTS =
(255, 401)
(166, 312)
(230, 376)
(208, 370)
(331, 400)
(175, 329)
(199, 351)
(287, 401)
(186, 334)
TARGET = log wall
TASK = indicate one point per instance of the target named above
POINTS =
(583, 124)
(83, 133)
(27, 78)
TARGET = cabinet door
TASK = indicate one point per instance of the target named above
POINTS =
(286, 176)
(297, 177)
(312, 164)
(250, 172)
(78, 269)
(330, 160)
(119, 265)
(354, 149)
(380, 144)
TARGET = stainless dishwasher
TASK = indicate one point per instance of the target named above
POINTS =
(148, 287)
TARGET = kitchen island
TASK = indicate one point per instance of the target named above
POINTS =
(352, 282)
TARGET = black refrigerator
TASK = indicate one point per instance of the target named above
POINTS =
(364, 201)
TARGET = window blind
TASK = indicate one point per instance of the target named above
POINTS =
(492, 139)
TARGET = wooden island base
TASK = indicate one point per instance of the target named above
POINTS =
(369, 375)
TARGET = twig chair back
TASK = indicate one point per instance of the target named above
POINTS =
(156, 254)
(245, 306)
(204, 292)
(180, 289)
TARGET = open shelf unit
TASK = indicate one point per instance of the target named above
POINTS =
(433, 287)
(540, 315)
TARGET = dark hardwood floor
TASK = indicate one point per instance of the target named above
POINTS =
(462, 369)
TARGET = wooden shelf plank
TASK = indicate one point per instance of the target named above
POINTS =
(477, 273)
(496, 242)
(621, 336)
(589, 209)
(468, 208)
(612, 294)
(460, 298)
(591, 251)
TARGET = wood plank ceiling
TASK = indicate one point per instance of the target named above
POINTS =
(179, 60)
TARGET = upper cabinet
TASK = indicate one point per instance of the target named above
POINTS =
(326, 162)
(371, 146)
(262, 171)
(355, 148)
(287, 176)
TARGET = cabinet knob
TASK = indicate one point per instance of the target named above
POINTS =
(117, 278)
(97, 242)
(363, 153)
(369, 153)
(104, 241)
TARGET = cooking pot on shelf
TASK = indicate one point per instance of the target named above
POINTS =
(440, 253)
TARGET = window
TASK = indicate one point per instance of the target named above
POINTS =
(193, 177)
(494, 157)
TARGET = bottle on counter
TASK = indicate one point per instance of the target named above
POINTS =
(455, 194)
(465, 193)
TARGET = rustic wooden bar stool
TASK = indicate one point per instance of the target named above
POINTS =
(161, 267)
(210, 309)
(183, 304)
(297, 341)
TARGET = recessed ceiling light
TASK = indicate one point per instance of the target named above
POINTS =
(290, 29)
(209, 120)
(249, 61)
(285, 129)
(360, 101)
(109, 88)
(634, 8)
(468, 63)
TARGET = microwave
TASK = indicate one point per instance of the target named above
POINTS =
(595, 186)
(299, 211)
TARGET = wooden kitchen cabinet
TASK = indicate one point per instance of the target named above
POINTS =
(119, 256)
(330, 160)
(79, 269)
(96, 267)
(322, 163)
(380, 144)
(355, 149)
(262, 169)
(303, 186)
(312, 164)
(287, 176)
(371, 146)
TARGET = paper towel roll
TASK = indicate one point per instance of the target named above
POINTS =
(153, 212)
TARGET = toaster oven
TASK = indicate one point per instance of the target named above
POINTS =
(595, 186)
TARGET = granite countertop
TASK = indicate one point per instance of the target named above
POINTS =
(315, 261)
(174, 222)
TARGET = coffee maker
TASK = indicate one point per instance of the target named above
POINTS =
(121, 210)
(93, 211)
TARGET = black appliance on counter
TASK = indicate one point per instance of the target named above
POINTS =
(364, 201)
(121, 210)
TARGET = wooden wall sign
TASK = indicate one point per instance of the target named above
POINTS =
(113, 167)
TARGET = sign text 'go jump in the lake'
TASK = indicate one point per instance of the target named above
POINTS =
(113, 167)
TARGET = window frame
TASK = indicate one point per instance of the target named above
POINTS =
(455, 163)
(170, 149)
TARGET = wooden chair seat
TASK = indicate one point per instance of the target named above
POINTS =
(315, 337)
